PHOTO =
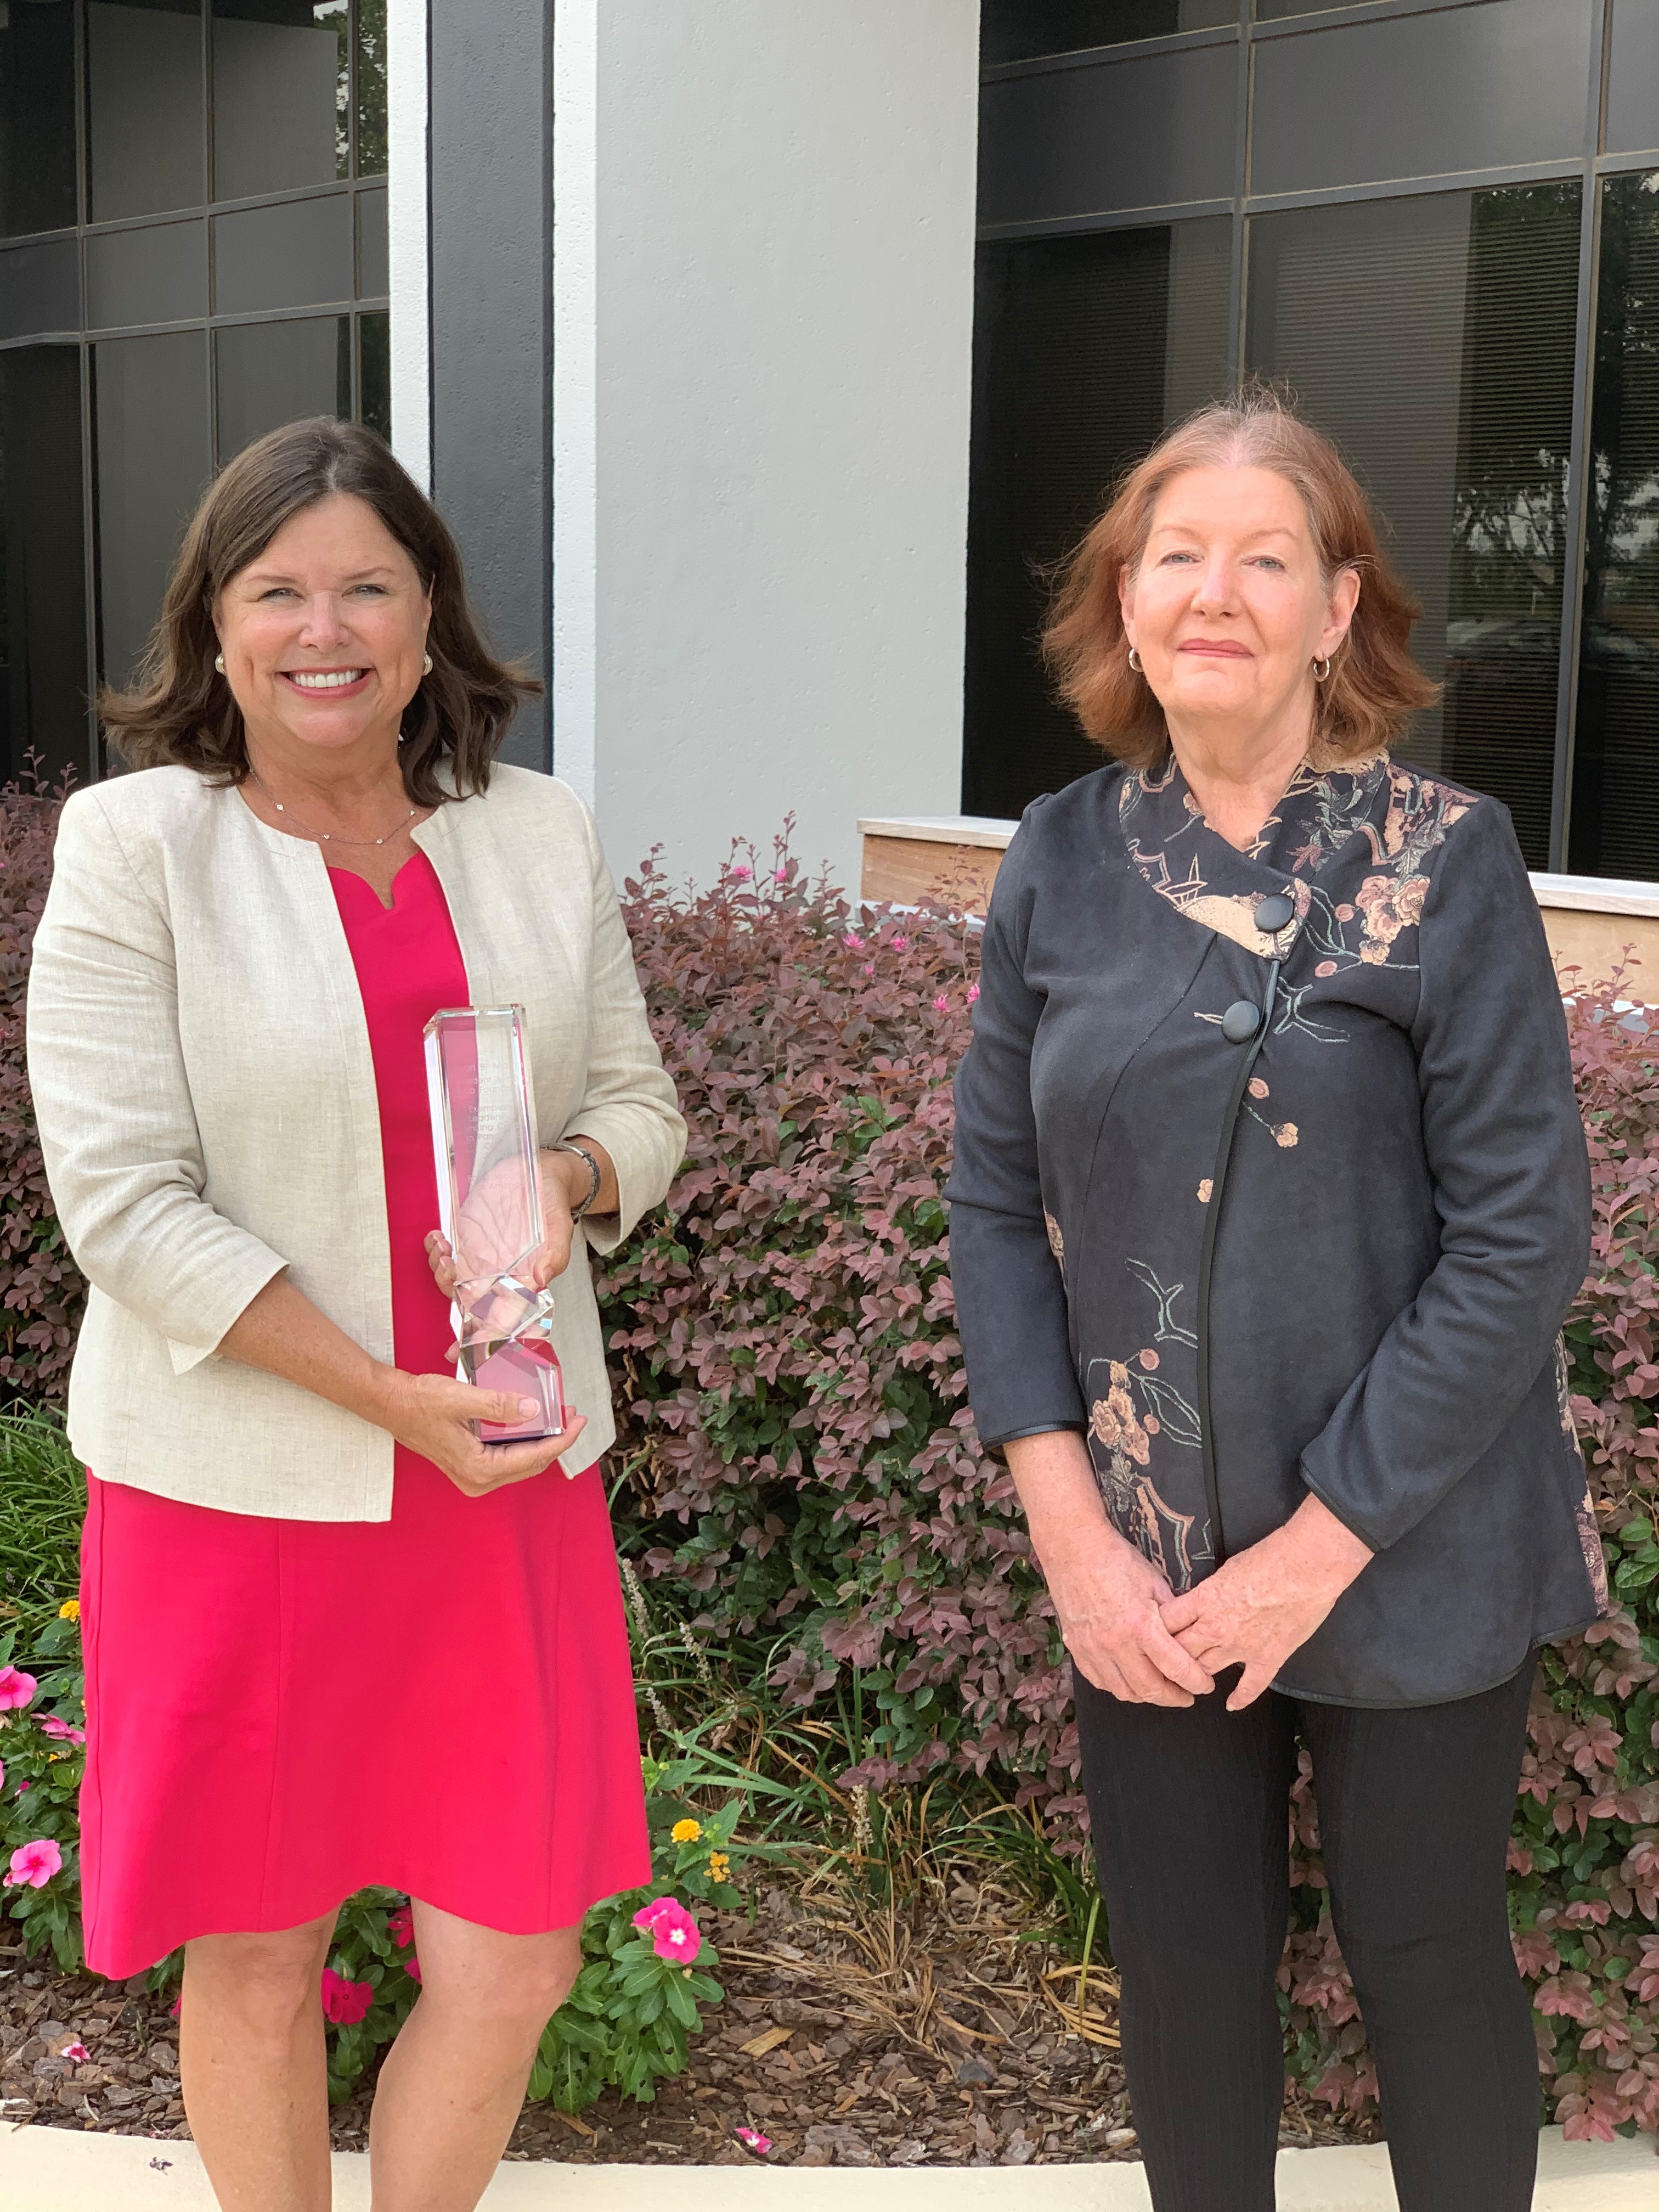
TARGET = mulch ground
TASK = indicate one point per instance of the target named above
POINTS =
(936, 2036)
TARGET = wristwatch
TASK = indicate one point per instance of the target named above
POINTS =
(593, 1167)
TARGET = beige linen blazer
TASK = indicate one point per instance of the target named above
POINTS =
(206, 1100)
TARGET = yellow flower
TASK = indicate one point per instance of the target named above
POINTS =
(687, 1832)
(719, 1865)
(69, 1609)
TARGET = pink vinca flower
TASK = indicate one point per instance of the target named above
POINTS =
(752, 2139)
(412, 1968)
(673, 1931)
(400, 1926)
(345, 2002)
(77, 2053)
(62, 1731)
(16, 1689)
(35, 1864)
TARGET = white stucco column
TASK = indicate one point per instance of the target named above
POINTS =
(763, 284)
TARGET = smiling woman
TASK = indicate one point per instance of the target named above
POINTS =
(286, 1484)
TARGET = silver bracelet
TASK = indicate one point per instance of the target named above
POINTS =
(592, 1166)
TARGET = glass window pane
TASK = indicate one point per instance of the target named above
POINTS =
(280, 90)
(370, 89)
(144, 106)
(1084, 349)
(273, 372)
(43, 605)
(1432, 338)
(36, 117)
(1633, 77)
(1419, 95)
(296, 256)
(374, 274)
(150, 415)
(1020, 30)
(1145, 133)
(157, 275)
(374, 373)
(40, 289)
(1613, 828)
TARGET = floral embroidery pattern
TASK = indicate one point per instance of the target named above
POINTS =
(1583, 1513)
(1133, 1410)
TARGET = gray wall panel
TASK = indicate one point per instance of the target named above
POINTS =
(1420, 95)
(1088, 139)
(1633, 77)
(491, 324)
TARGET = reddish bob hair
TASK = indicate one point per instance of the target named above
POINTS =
(1374, 687)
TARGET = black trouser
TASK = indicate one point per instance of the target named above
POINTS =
(1190, 1807)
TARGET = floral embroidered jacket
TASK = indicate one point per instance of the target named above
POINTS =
(1330, 1250)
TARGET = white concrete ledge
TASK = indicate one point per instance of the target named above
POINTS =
(53, 2170)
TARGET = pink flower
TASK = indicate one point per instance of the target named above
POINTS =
(412, 1968)
(869, 968)
(781, 875)
(16, 1689)
(177, 2007)
(852, 942)
(752, 2139)
(345, 2002)
(941, 1004)
(973, 994)
(35, 1864)
(672, 1930)
(77, 2053)
(400, 1926)
(901, 944)
(2, 1777)
(740, 874)
(62, 1731)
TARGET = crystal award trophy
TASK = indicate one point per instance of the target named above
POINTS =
(490, 1210)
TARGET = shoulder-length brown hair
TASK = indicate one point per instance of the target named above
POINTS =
(180, 711)
(1374, 687)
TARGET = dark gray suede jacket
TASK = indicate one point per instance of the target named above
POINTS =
(1329, 1250)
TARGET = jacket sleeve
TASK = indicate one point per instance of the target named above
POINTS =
(1505, 1147)
(628, 1104)
(1010, 1294)
(111, 1100)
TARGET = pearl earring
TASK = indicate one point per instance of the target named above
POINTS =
(1135, 661)
(219, 662)
(425, 664)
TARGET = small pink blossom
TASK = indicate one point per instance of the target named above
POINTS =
(941, 1004)
(77, 2053)
(852, 942)
(741, 874)
(400, 1926)
(2, 1777)
(973, 994)
(62, 1732)
(345, 2002)
(177, 2006)
(781, 875)
(16, 1689)
(35, 1864)
(672, 1930)
(901, 944)
(412, 1968)
(869, 968)
(752, 2139)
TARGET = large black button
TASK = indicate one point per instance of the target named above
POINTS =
(1239, 1023)
(1274, 911)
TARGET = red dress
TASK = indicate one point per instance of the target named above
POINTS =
(282, 1712)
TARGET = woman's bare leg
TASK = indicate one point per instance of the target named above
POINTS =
(453, 2082)
(254, 2066)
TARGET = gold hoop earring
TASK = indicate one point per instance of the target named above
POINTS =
(219, 662)
(1319, 673)
(1135, 661)
(425, 664)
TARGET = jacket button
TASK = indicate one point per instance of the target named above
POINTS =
(1274, 911)
(1238, 1023)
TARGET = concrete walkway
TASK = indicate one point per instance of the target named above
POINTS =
(52, 2170)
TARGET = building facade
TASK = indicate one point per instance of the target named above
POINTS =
(762, 356)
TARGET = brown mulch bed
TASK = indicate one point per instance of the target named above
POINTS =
(933, 2036)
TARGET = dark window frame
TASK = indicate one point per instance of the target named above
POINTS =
(1593, 166)
(85, 335)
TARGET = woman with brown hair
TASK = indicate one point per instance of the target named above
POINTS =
(1270, 1197)
(333, 1637)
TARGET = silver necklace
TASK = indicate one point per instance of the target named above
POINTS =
(328, 836)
